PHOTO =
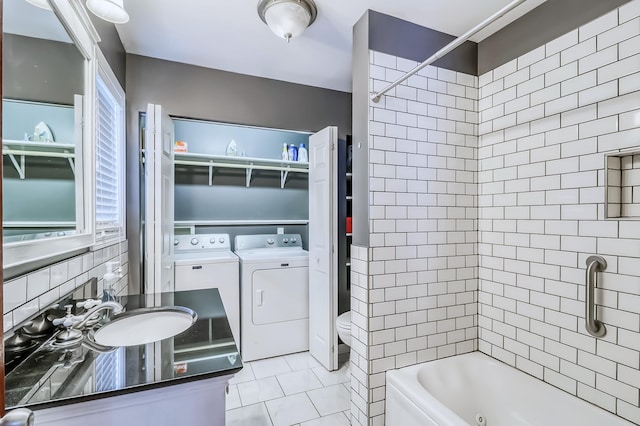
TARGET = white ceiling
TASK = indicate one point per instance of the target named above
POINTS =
(229, 35)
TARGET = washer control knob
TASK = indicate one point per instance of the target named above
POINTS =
(270, 241)
(176, 242)
(212, 240)
(221, 240)
(285, 240)
(194, 241)
(61, 233)
(294, 240)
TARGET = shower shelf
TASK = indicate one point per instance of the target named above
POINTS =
(23, 149)
(622, 183)
(248, 163)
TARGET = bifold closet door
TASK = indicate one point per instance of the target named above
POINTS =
(323, 256)
(159, 203)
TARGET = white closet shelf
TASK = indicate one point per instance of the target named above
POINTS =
(189, 223)
(24, 149)
(248, 163)
(36, 224)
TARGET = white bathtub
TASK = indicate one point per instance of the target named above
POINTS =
(468, 389)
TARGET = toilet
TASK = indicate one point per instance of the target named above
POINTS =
(343, 325)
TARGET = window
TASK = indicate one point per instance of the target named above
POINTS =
(110, 161)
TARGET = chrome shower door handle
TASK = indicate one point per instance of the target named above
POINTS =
(594, 265)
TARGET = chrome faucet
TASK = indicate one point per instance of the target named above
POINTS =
(101, 306)
(79, 321)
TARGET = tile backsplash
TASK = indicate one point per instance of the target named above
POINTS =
(487, 195)
(29, 294)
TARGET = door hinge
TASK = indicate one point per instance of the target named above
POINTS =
(333, 146)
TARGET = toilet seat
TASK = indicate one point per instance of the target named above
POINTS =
(343, 326)
(344, 321)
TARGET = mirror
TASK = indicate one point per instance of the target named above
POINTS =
(43, 80)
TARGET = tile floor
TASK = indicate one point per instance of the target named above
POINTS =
(288, 390)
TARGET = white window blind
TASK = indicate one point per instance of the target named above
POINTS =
(109, 160)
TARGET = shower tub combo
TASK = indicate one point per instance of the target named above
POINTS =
(475, 389)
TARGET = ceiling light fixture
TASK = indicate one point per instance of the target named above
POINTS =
(42, 4)
(287, 18)
(109, 10)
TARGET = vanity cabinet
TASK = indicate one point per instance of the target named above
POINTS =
(175, 381)
(194, 403)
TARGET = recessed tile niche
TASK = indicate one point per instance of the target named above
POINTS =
(623, 185)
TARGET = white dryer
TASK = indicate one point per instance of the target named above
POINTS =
(274, 287)
(206, 261)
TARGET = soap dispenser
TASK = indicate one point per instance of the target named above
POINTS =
(109, 281)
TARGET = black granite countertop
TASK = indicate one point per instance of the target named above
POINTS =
(52, 376)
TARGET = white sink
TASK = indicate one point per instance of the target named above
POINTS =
(145, 325)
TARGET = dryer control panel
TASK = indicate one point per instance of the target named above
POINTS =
(247, 242)
(202, 242)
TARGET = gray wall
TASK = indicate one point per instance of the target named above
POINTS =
(394, 36)
(207, 94)
(360, 162)
(541, 25)
(41, 70)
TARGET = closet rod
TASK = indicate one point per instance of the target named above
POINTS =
(375, 96)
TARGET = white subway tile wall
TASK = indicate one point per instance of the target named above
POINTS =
(414, 290)
(359, 357)
(541, 181)
(26, 295)
(518, 210)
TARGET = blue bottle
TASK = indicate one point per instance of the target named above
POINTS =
(293, 153)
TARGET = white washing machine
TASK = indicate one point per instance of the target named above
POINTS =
(206, 261)
(274, 287)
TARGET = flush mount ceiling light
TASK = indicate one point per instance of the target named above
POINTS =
(109, 10)
(287, 18)
(42, 4)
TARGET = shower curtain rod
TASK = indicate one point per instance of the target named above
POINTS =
(375, 96)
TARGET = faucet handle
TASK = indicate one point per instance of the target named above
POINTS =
(88, 304)
(67, 321)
